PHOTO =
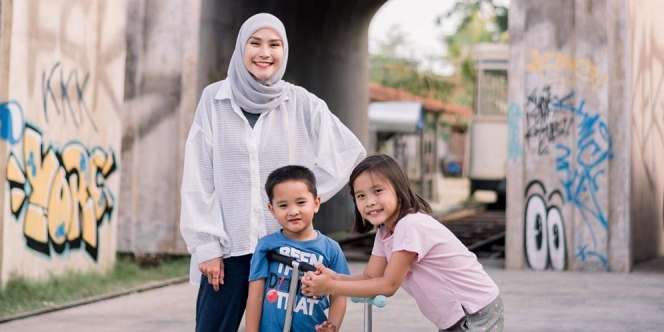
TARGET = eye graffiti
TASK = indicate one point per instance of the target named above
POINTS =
(544, 233)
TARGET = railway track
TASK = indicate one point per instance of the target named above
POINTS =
(481, 230)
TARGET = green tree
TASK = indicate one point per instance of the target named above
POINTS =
(389, 68)
(401, 73)
(395, 40)
(478, 21)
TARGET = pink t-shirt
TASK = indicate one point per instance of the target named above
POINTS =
(446, 278)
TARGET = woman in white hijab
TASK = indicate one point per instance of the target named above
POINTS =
(244, 127)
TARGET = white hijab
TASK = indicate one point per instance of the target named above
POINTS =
(251, 95)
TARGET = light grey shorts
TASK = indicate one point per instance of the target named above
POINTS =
(489, 318)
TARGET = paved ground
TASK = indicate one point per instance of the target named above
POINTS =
(534, 301)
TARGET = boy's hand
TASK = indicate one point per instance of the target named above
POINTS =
(213, 269)
(326, 326)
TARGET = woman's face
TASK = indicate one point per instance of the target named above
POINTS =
(263, 54)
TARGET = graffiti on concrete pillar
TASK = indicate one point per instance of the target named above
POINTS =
(581, 167)
(60, 196)
(63, 93)
(514, 145)
(12, 121)
(546, 121)
(544, 232)
(583, 69)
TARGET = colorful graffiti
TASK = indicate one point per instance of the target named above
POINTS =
(12, 121)
(583, 69)
(581, 169)
(514, 145)
(544, 232)
(60, 196)
(545, 122)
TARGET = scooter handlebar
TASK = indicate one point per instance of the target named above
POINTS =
(377, 301)
(304, 267)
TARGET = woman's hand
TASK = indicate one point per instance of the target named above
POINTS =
(317, 284)
(213, 269)
(326, 326)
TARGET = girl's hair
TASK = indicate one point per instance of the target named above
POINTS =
(384, 165)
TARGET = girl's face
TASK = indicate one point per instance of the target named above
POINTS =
(263, 54)
(376, 199)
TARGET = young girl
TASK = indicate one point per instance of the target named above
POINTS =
(415, 251)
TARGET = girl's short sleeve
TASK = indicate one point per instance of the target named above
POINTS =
(378, 247)
(410, 235)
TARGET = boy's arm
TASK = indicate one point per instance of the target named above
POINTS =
(254, 305)
(337, 310)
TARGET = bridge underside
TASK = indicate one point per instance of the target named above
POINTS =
(328, 47)
(328, 55)
(175, 48)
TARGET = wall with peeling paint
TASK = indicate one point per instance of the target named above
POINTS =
(63, 64)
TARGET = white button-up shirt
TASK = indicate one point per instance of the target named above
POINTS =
(224, 204)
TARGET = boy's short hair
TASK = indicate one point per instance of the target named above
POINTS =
(290, 173)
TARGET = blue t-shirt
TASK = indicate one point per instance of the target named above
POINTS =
(307, 311)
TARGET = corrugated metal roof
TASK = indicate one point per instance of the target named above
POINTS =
(378, 92)
(396, 116)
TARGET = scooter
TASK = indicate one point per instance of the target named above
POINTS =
(376, 301)
(297, 267)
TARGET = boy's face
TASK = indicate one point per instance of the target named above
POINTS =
(294, 206)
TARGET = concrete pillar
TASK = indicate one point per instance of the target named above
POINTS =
(158, 39)
(61, 85)
(644, 48)
(568, 191)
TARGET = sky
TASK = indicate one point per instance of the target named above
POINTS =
(416, 18)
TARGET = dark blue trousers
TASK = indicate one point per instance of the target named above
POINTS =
(222, 311)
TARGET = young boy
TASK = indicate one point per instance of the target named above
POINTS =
(293, 201)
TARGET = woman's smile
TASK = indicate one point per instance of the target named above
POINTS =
(263, 54)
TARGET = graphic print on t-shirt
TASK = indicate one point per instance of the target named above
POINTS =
(307, 311)
(278, 281)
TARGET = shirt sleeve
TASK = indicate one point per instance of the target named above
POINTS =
(338, 262)
(337, 152)
(259, 264)
(201, 222)
(409, 235)
(378, 248)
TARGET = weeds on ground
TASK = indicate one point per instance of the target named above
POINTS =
(23, 295)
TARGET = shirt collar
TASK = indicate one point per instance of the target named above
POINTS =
(224, 92)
